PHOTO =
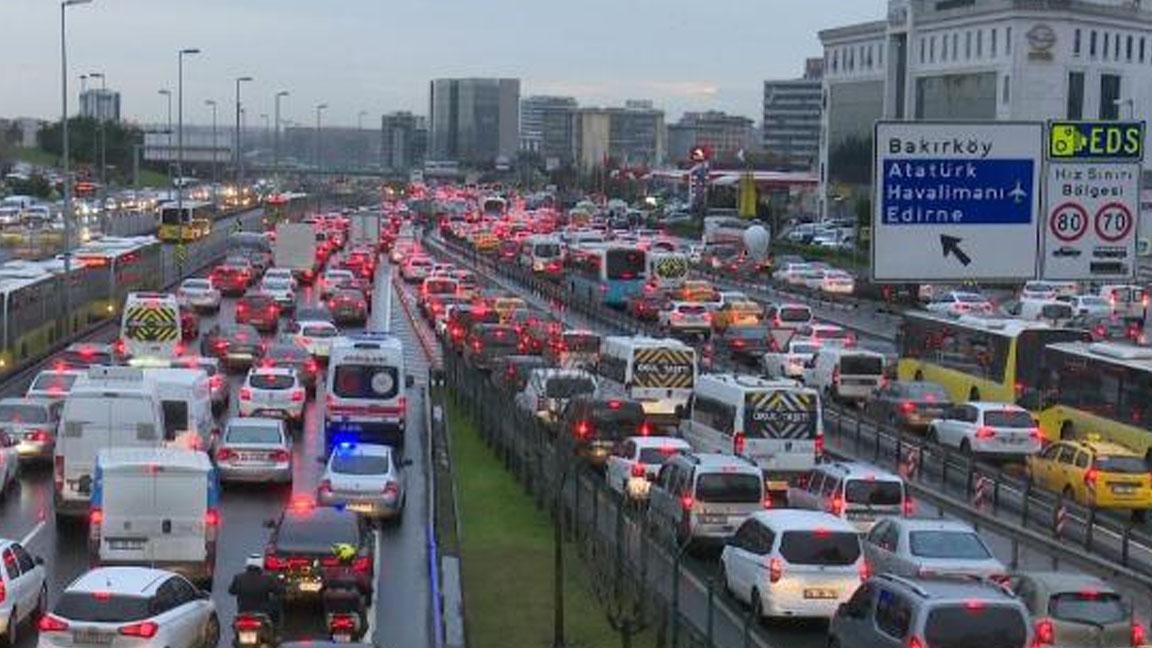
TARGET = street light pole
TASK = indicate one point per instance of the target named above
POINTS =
(319, 109)
(211, 103)
(67, 154)
(180, 126)
(103, 145)
(360, 135)
(238, 158)
(276, 136)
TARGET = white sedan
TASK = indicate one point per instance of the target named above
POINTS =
(280, 290)
(316, 336)
(25, 594)
(790, 362)
(634, 466)
(131, 606)
(837, 282)
(366, 478)
(199, 293)
(9, 461)
(273, 392)
(282, 273)
(686, 317)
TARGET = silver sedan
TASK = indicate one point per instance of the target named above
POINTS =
(929, 547)
(255, 450)
(365, 478)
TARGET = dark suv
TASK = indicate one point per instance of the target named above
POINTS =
(595, 425)
(300, 551)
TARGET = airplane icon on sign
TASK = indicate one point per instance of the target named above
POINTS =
(1018, 193)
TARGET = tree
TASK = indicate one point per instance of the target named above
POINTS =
(84, 143)
(850, 161)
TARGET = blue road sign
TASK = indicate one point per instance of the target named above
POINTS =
(957, 192)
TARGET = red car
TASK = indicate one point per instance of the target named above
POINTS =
(189, 324)
(231, 280)
(259, 310)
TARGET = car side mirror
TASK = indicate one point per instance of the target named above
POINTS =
(409, 381)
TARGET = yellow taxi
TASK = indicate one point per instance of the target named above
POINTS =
(1094, 473)
(505, 305)
(486, 242)
(740, 313)
(697, 291)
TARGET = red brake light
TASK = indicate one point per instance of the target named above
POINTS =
(909, 506)
(865, 571)
(392, 489)
(274, 563)
(819, 445)
(738, 443)
(1138, 634)
(212, 518)
(915, 642)
(225, 454)
(326, 486)
(687, 501)
(645, 429)
(775, 570)
(908, 407)
(245, 393)
(836, 506)
(985, 432)
(298, 396)
(245, 622)
(49, 623)
(1045, 632)
(362, 564)
(96, 516)
(974, 605)
(637, 471)
(143, 630)
(583, 430)
(342, 623)
(3, 591)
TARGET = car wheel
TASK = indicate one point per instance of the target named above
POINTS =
(9, 639)
(212, 632)
(757, 606)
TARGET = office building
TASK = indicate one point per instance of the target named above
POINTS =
(403, 141)
(725, 135)
(631, 136)
(474, 121)
(546, 124)
(1030, 60)
(101, 104)
(790, 132)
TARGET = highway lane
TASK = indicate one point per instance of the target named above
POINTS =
(693, 585)
(402, 602)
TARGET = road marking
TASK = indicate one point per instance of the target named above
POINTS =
(370, 633)
(27, 540)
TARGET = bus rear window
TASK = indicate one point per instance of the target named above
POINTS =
(975, 624)
(819, 547)
(861, 365)
(729, 488)
(624, 264)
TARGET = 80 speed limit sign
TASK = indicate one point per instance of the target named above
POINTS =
(1068, 222)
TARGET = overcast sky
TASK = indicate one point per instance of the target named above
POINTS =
(378, 55)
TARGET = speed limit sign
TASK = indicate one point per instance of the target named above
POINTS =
(1113, 222)
(1068, 222)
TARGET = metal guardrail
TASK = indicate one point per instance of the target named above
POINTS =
(1098, 541)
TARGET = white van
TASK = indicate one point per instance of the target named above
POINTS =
(367, 391)
(856, 492)
(186, 399)
(156, 507)
(850, 374)
(1053, 311)
(775, 423)
(108, 407)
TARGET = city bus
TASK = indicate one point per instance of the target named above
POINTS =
(150, 328)
(608, 274)
(976, 358)
(1095, 390)
(189, 222)
(494, 206)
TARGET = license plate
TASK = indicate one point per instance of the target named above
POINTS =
(820, 593)
(713, 519)
(360, 508)
(92, 637)
(1123, 489)
(254, 457)
(342, 638)
(1017, 440)
(126, 544)
(311, 586)
(247, 638)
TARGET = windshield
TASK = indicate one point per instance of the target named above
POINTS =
(657, 456)
(365, 381)
(874, 492)
(253, 434)
(23, 414)
(277, 284)
(105, 608)
(975, 624)
(271, 381)
(820, 547)
(962, 545)
(202, 284)
(1092, 607)
(319, 331)
(565, 387)
(624, 264)
(794, 314)
(970, 298)
(546, 250)
(1008, 419)
(359, 464)
(729, 488)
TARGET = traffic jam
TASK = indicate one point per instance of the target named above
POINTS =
(713, 416)
(224, 469)
(271, 396)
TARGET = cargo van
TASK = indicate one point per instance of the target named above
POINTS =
(186, 399)
(157, 507)
(848, 374)
(108, 407)
(367, 391)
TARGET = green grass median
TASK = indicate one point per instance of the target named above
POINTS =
(507, 558)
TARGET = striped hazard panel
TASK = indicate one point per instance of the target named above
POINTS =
(671, 267)
(151, 324)
(782, 414)
(664, 368)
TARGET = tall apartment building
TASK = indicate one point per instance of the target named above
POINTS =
(546, 124)
(723, 134)
(790, 132)
(474, 121)
(403, 141)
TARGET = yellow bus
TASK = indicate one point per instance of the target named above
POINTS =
(1095, 390)
(189, 222)
(976, 358)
